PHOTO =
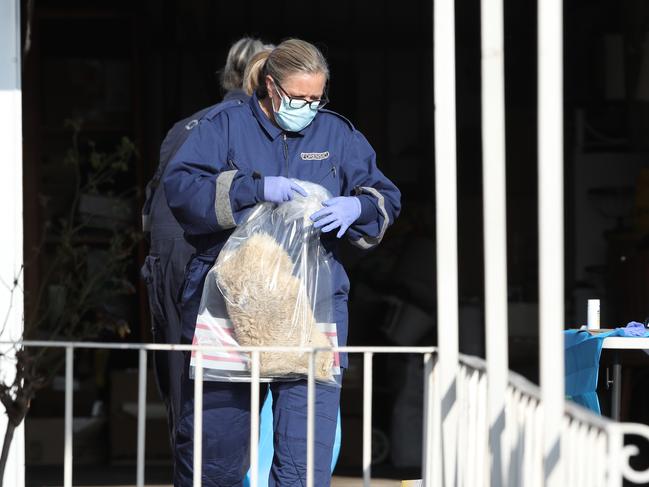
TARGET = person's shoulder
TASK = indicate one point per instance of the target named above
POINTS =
(208, 113)
(335, 118)
(225, 107)
(182, 129)
(236, 94)
(207, 117)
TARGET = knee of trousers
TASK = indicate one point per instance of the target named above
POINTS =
(225, 437)
(289, 467)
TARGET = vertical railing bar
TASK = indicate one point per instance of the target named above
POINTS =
(615, 443)
(141, 417)
(585, 444)
(591, 476)
(474, 452)
(69, 388)
(254, 420)
(198, 418)
(603, 466)
(428, 429)
(551, 233)
(464, 413)
(446, 226)
(310, 420)
(367, 418)
(495, 232)
(480, 423)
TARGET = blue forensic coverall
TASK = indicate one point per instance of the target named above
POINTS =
(213, 180)
(163, 270)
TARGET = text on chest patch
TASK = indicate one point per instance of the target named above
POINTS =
(314, 156)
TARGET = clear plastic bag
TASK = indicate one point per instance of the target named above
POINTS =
(271, 286)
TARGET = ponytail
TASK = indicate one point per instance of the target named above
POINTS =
(253, 76)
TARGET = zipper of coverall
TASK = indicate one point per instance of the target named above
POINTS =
(285, 152)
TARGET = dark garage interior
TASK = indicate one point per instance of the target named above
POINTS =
(125, 69)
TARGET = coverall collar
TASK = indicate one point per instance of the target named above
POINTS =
(269, 127)
(236, 94)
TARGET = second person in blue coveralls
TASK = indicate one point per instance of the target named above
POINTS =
(240, 155)
(163, 269)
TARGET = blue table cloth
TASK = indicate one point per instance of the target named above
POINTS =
(582, 354)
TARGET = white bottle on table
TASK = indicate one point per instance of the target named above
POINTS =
(593, 322)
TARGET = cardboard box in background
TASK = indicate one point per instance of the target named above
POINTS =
(44, 441)
(123, 420)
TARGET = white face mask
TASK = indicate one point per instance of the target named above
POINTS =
(293, 119)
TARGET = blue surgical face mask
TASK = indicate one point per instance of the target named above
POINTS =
(293, 119)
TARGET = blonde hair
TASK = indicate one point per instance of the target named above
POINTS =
(290, 57)
(232, 75)
(252, 74)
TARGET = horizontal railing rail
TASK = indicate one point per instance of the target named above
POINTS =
(171, 347)
(586, 436)
(199, 350)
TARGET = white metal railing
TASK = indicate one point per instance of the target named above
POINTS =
(594, 453)
(142, 349)
(446, 229)
(593, 449)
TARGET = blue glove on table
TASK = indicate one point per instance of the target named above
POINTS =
(634, 329)
(341, 212)
(278, 189)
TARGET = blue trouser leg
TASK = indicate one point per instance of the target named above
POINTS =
(163, 271)
(289, 425)
(226, 434)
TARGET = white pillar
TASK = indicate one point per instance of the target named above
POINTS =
(551, 278)
(446, 223)
(495, 231)
(11, 214)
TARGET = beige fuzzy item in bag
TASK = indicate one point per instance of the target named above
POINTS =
(269, 306)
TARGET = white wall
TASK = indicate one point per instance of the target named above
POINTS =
(11, 212)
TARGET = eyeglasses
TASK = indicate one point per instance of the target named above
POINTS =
(301, 102)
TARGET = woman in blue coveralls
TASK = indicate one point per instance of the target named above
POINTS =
(240, 155)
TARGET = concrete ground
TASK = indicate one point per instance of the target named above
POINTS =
(356, 482)
(336, 482)
(155, 477)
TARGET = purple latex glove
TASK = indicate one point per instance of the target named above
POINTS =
(341, 212)
(634, 329)
(278, 189)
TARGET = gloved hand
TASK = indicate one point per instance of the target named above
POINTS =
(278, 189)
(341, 212)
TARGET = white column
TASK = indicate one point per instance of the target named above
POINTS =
(446, 222)
(11, 217)
(495, 231)
(551, 278)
